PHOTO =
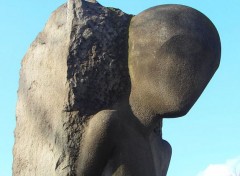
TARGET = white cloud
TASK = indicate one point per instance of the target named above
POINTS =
(229, 168)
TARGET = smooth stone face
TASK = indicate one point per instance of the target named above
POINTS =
(174, 51)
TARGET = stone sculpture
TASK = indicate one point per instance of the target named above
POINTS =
(80, 113)
(173, 53)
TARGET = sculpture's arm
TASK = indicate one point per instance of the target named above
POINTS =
(167, 152)
(97, 145)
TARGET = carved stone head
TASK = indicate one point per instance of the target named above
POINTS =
(174, 51)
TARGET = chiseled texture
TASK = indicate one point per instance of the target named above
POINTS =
(97, 67)
(174, 51)
(76, 67)
(97, 62)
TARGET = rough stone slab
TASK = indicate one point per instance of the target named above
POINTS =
(82, 48)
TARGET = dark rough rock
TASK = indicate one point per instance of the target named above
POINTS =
(76, 67)
(97, 62)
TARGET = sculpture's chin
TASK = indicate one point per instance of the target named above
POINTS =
(175, 114)
(178, 110)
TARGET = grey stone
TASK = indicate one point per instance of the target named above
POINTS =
(76, 67)
(41, 96)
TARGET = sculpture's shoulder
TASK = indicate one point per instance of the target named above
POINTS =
(104, 117)
(104, 122)
(97, 143)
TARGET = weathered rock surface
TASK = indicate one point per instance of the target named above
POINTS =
(76, 67)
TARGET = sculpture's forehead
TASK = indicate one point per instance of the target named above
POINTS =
(159, 24)
(173, 15)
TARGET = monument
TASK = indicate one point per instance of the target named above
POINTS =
(96, 84)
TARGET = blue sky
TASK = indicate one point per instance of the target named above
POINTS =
(204, 142)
